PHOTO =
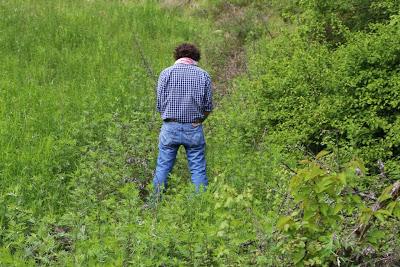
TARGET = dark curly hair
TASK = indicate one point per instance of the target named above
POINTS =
(187, 50)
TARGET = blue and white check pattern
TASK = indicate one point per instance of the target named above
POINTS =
(184, 93)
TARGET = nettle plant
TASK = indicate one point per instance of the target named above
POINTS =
(327, 203)
(313, 226)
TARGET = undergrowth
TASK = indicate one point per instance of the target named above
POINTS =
(78, 134)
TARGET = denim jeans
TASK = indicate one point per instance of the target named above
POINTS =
(172, 136)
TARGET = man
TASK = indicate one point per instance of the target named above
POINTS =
(184, 100)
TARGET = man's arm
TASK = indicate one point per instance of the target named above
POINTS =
(208, 103)
(160, 91)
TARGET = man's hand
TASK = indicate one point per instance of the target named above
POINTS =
(206, 113)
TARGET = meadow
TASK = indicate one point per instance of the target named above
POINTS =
(77, 115)
(306, 104)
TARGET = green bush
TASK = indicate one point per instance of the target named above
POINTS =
(344, 100)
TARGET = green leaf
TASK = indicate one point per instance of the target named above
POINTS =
(337, 208)
(322, 154)
(380, 216)
(324, 184)
(315, 171)
(391, 206)
(386, 194)
(342, 178)
(299, 255)
(396, 211)
(283, 221)
(310, 212)
(324, 208)
(375, 235)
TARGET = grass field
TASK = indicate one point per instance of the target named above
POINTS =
(79, 137)
(69, 68)
(78, 126)
(79, 134)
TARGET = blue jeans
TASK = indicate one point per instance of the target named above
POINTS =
(172, 136)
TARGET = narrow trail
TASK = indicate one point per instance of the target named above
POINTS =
(234, 62)
(234, 66)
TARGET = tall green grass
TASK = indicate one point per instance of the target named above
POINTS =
(65, 65)
(76, 102)
(78, 142)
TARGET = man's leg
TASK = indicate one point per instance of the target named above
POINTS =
(197, 161)
(165, 161)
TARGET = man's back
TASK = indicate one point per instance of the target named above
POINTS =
(184, 93)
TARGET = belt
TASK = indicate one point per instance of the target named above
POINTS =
(175, 120)
(171, 120)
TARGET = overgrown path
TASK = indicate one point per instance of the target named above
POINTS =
(232, 60)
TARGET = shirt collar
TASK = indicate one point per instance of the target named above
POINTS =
(186, 60)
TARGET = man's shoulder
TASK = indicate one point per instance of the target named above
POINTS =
(203, 71)
(166, 70)
(197, 69)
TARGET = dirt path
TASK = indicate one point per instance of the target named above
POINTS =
(234, 62)
(229, 59)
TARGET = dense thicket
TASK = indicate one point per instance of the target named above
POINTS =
(328, 81)
(344, 99)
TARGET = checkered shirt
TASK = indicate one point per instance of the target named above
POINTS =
(184, 93)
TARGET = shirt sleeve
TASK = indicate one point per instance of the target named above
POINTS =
(208, 103)
(161, 84)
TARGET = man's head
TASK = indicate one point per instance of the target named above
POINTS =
(187, 50)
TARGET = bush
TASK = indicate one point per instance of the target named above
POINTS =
(344, 100)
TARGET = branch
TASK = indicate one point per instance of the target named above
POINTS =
(394, 194)
(146, 63)
(288, 168)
